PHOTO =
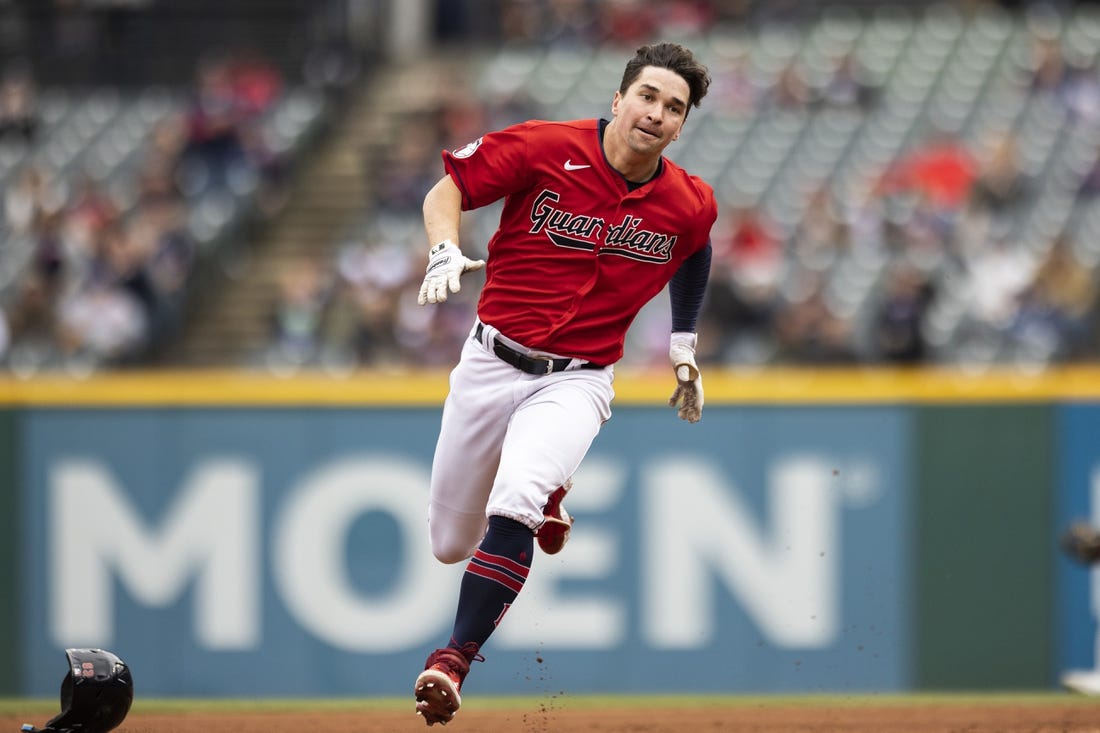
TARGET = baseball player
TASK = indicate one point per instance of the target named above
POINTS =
(595, 223)
(1080, 542)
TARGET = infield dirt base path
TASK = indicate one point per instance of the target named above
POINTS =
(1073, 716)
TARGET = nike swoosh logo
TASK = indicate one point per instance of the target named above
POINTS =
(571, 166)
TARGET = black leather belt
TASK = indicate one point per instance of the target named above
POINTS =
(530, 364)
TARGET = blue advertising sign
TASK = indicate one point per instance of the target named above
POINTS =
(284, 552)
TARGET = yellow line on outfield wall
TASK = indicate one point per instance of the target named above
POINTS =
(213, 388)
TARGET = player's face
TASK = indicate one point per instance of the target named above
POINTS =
(651, 113)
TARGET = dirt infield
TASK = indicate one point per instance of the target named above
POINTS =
(1071, 715)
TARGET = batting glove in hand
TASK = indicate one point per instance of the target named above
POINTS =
(446, 263)
(688, 397)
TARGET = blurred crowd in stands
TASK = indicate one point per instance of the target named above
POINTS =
(109, 268)
(937, 227)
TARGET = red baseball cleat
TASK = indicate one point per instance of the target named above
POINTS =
(437, 687)
(553, 533)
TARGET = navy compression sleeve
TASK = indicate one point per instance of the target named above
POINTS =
(686, 290)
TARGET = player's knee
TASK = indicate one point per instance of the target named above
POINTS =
(450, 551)
(450, 555)
(454, 536)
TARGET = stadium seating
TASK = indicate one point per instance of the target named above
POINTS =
(807, 120)
(106, 135)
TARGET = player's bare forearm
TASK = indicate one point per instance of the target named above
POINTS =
(446, 263)
(442, 211)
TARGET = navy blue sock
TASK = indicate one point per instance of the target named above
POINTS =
(493, 578)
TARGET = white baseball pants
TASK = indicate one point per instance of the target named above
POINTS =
(507, 440)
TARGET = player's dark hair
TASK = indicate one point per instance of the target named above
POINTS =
(675, 58)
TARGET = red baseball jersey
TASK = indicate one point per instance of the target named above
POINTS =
(577, 253)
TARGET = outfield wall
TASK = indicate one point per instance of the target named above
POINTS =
(817, 532)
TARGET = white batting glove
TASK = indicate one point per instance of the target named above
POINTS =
(446, 263)
(688, 397)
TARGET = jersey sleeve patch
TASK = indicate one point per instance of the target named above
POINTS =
(467, 150)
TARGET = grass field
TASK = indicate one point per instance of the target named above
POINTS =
(1006, 712)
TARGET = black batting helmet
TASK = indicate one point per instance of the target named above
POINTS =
(95, 695)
